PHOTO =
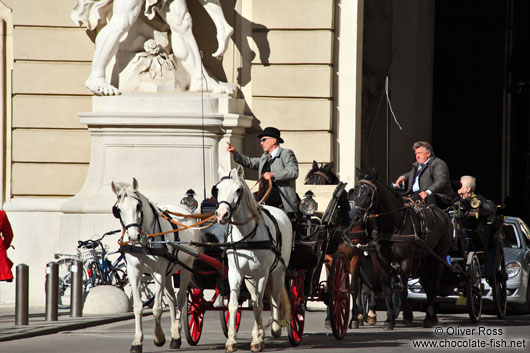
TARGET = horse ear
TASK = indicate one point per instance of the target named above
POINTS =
(135, 184)
(328, 167)
(375, 173)
(240, 172)
(359, 173)
(315, 165)
(221, 171)
(114, 188)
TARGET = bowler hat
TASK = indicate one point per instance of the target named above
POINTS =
(271, 132)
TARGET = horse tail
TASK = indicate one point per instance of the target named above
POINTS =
(285, 306)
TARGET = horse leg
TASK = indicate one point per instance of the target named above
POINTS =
(277, 282)
(175, 324)
(257, 290)
(355, 312)
(355, 293)
(390, 319)
(134, 279)
(372, 316)
(159, 338)
(234, 280)
(406, 267)
(431, 285)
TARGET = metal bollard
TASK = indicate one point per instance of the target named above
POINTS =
(22, 287)
(52, 291)
(76, 290)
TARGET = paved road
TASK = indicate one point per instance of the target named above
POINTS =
(456, 331)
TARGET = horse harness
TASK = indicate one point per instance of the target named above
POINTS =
(271, 244)
(316, 176)
(419, 236)
(244, 244)
(156, 246)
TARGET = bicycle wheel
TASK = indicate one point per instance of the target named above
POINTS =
(147, 289)
(65, 282)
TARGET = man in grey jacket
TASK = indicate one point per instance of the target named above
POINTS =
(276, 163)
(428, 178)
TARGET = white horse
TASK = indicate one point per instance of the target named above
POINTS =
(140, 217)
(251, 224)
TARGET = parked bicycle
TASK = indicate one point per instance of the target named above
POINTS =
(98, 269)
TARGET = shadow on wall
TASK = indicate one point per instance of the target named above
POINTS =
(205, 36)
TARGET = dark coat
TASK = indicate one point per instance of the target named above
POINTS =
(285, 169)
(433, 176)
(5, 243)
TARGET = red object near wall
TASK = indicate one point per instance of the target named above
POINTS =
(5, 242)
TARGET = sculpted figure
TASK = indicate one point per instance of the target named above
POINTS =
(118, 16)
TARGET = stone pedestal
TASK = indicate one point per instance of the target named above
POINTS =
(170, 142)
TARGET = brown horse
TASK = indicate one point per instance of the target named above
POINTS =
(363, 309)
(360, 265)
(406, 237)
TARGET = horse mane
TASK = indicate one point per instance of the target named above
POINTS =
(249, 199)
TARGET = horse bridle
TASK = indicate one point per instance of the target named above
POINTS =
(117, 214)
(318, 174)
(373, 189)
(231, 209)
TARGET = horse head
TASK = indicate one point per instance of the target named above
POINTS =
(321, 175)
(363, 195)
(229, 193)
(129, 209)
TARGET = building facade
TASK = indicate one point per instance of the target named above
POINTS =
(297, 68)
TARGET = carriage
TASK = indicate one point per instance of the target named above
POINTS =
(209, 288)
(476, 255)
(412, 240)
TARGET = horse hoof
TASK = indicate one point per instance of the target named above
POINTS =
(161, 343)
(175, 343)
(276, 333)
(230, 348)
(427, 323)
(371, 320)
(327, 324)
(136, 349)
(388, 326)
(257, 347)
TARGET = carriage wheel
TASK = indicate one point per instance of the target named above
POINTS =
(195, 308)
(224, 315)
(499, 283)
(296, 329)
(473, 288)
(339, 295)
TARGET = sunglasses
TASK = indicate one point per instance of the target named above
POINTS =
(265, 139)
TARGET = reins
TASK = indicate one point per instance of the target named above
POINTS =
(205, 217)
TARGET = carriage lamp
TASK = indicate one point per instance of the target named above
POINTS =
(308, 205)
(189, 200)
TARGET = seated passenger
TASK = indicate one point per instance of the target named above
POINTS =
(474, 205)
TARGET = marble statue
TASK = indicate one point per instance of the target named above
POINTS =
(113, 19)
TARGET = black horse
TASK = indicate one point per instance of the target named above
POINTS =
(407, 237)
(321, 175)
